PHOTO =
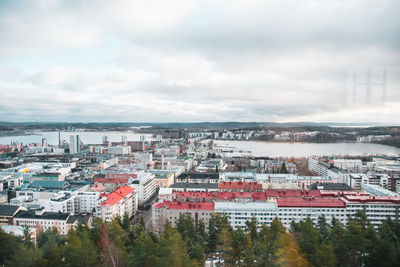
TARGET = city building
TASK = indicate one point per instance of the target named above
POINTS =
(146, 186)
(171, 210)
(119, 150)
(42, 220)
(198, 177)
(352, 165)
(117, 203)
(74, 144)
(164, 179)
(7, 213)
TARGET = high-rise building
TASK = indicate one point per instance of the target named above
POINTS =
(74, 144)
(124, 140)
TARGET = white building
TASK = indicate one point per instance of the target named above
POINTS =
(240, 212)
(74, 144)
(117, 203)
(320, 167)
(87, 201)
(377, 190)
(355, 180)
(146, 186)
(119, 150)
(42, 220)
(172, 151)
(352, 165)
(10, 181)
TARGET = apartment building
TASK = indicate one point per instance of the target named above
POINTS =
(287, 205)
(117, 203)
(198, 177)
(171, 210)
(240, 186)
(146, 186)
(352, 165)
(42, 220)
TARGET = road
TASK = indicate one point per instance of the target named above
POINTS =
(146, 216)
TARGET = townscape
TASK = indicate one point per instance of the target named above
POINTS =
(161, 183)
(170, 133)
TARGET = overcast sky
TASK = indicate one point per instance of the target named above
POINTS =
(199, 60)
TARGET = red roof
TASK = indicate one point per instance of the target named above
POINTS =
(371, 199)
(342, 193)
(117, 195)
(310, 202)
(233, 195)
(111, 180)
(292, 193)
(194, 194)
(240, 185)
(176, 205)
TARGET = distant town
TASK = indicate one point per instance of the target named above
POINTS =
(169, 172)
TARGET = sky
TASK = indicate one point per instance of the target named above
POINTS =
(192, 61)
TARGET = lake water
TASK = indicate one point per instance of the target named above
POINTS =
(258, 148)
(271, 149)
(86, 137)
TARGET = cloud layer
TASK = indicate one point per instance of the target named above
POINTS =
(199, 60)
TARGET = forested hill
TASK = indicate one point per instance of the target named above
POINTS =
(119, 244)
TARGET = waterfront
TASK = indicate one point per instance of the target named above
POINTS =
(94, 137)
(274, 149)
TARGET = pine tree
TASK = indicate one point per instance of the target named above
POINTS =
(80, 250)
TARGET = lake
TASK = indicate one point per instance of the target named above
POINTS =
(86, 137)
(272, 149)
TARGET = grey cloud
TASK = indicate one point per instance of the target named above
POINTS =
(200, 60)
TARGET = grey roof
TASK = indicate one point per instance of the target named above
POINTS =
(82, 219)
(8, 210)
(23, 214)
(198, 175)
(195, 185)
(330, 186)
(50, 184)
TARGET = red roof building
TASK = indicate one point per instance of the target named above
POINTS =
(123, 200)
(171, 210)
(240, 186)
(194, 196)
(371, 199)
(117, 195)
(292, 193)
(310, 202)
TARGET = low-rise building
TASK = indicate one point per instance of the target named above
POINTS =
(198, 177)
(43, 220)
(194, 187)
(164, 179)
(81, 219)
(7, 213)
(240, 186)
(119, 150)
(212, 165)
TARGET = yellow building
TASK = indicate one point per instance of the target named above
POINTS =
(164, 180)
